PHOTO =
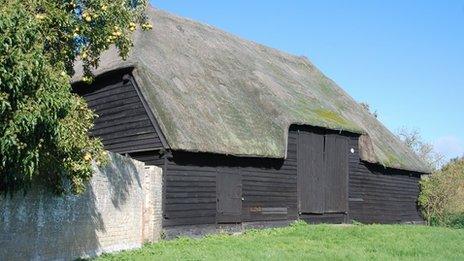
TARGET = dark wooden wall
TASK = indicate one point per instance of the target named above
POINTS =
(154, 157)
(381, 195)
(190, 190)
(376, 194)
(123, 123)
(269, 186)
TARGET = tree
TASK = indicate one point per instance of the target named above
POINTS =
(43, 126)
(424, 150)
(442, 195)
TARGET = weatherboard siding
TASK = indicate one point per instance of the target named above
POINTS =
(381, 195)
(190, 192)
(268, 187)
(149, 158)
(123, 124)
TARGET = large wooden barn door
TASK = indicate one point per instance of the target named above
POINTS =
(310, 172)
(322, 173)
(336, 173)
(229, 195)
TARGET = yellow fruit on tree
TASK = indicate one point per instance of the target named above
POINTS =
(88, 157)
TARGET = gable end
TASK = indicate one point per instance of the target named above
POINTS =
(152, 118)
(123, 124)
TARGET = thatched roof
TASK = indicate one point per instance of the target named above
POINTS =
(211, 91)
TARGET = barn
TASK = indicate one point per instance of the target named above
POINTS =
(247, 135)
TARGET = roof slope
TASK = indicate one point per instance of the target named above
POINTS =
(214, 92)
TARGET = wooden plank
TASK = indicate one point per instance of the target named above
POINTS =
(269, 187)
(270, 193)
(266, 175)
(229, 195)
(107, 92)
(269, 181)
(115, 104)
(131, 145)
(192, 183)
(310, 172)
(281, 173)
(128, 127)
(126, 133)
(324, 218)
(116, 122)
(336, 173)
(149, 158)
(116, 110)
(264, 198)
(173, 166)
(186, 173)
(388, 196)
(118, 98)
(191, 195)
(191, 213)
(187, 206)
(149, 137)
(175, 200)
(189, 179)
(189, 221)
(153, 120)
(123, 125)
(119, 115)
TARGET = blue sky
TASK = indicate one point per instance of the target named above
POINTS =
(404, 58)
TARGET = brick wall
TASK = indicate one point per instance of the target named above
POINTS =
(121, 209)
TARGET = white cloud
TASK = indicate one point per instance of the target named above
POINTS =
(449, 146)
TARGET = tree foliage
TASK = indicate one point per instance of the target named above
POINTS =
(423, 149)
(43, 126)
(442, 195)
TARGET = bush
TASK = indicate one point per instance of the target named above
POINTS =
(442, 195)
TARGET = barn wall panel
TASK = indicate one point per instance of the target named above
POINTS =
(380, 195)
(123, 124)
(190, 193)
(336, 173)
(267, 198)
(154, 158)
(311, 174)
(268, 187)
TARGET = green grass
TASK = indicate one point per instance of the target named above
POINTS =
(312, 242)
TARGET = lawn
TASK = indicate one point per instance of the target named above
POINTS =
(312, 242)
